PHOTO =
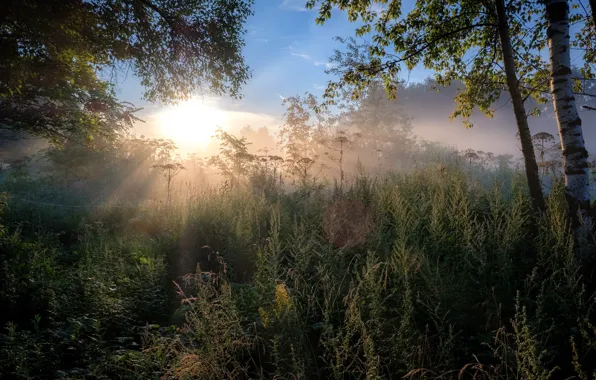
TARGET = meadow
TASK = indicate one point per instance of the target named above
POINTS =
(441, 271)
(343, 240)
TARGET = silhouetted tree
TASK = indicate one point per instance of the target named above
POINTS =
(56, 54)
(168, 172)
(233, 161)
(340, 144)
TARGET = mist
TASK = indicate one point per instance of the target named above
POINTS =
(182, 198)
(383, 136)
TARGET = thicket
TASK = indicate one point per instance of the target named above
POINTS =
(363, 252)
(440, 272)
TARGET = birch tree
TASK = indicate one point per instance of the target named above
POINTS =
(575, 155)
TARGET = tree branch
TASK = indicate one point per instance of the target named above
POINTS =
(425, 46)
(167, 18)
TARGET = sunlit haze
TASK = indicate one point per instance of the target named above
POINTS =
(190, 124)
(305, 189)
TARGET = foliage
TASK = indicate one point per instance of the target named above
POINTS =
(301, 133)
(168, 172)
(550, 158)
(60, 59)
(384, 124)
(234, 162)
(438, 270)
(443, 272)
(311, 131)
(63, 305)
(76, 174)
(340, 144)
(457, 40)
(490, 46)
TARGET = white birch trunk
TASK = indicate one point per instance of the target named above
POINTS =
(570, 125)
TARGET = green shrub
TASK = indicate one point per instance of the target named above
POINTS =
(433, 274)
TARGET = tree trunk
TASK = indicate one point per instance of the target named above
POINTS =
(519, 110)
(593, 9)
(575, 155)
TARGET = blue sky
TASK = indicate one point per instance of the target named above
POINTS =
(287, 53)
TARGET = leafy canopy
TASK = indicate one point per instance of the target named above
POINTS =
(59, 59)
(459, 40)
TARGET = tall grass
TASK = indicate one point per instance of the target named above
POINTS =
(440, 273)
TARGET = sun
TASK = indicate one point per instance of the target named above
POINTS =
(191, 123)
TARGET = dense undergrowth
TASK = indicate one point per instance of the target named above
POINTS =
(429, 275)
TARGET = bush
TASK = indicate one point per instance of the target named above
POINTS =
(434, 274)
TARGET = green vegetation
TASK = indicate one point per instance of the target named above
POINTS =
(354, 249)
(493, 47)
(60, 60)
(444, 271)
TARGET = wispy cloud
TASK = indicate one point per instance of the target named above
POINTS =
(255, 33)
(301, 55)
(319, 86)
(328, 65)
(293, 5)
(281, 96)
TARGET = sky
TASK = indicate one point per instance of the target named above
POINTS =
(288, 54)
(286, 51)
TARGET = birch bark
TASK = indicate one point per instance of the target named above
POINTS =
(575, 154)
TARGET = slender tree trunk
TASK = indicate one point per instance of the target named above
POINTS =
(341, 166)
(593, 9)
(575, 155)
(542, 167)
(519, 110)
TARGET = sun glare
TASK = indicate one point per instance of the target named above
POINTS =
(191, 124)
